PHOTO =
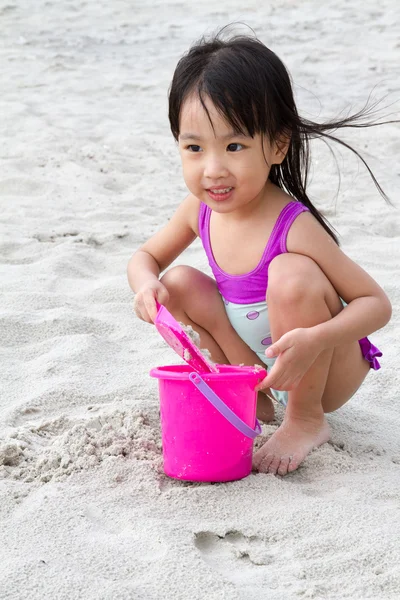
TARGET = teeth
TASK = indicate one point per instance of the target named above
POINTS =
(224, 191)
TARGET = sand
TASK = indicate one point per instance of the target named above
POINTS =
(89, 171)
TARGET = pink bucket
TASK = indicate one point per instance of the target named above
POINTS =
(208, 421)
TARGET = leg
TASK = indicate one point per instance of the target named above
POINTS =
(195, 300)
(300, 295)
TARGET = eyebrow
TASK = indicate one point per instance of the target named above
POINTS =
(197, 138)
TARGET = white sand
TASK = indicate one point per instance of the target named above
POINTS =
(89, 171)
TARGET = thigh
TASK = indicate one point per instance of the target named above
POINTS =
(348, 368)
(295, 277)
(347, 371)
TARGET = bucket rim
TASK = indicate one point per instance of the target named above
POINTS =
(182, 372)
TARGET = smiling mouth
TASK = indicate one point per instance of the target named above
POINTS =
(220, 190)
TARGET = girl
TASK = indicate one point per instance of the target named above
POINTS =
(284, 293)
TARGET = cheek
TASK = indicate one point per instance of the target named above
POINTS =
(253, 170)
(190, 175)
(189, 168)
(261, 167)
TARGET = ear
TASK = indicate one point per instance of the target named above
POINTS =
(281, 148)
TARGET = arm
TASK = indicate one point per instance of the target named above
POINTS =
(368, 307)
(159, 252)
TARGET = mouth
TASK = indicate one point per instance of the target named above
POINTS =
(219, 193)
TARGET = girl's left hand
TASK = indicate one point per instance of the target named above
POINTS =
(296, 351)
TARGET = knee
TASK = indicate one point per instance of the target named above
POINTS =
(293, 278)
(195, 293)
(177, 279)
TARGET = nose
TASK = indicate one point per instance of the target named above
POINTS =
(215, 168)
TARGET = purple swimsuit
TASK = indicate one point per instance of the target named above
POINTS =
(245, 295)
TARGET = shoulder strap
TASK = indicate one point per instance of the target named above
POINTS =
(296, 208)
(277, 243)
(202, 221)
(204, 234)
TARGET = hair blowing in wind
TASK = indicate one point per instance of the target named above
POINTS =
(251, 88)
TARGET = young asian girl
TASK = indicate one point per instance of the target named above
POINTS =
(283, 292)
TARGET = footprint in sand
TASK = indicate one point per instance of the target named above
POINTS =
(239, 558)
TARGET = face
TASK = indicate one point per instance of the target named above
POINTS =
(225, 170)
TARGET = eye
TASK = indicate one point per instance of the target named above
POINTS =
(235, 147)
(193, 148)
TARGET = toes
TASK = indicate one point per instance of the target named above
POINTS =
(293, 464)
(274, 464)
(284, 465)
(264, 464)
(258, 457)
(268, 462)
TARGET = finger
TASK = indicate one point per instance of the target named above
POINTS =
(266, 383)
(274, 378)
(162, 295)
(136, 309)
(272, 351)
(262, 385)
(140, 311)
(277, 347)
(281, 384)
(151, 307)
(284, 342)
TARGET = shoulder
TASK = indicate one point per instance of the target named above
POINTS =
(306, 235)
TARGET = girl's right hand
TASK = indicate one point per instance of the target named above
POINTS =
(144, 304)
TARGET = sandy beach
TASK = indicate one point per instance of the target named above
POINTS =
(89, 170)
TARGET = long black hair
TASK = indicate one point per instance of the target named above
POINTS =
(251, 88)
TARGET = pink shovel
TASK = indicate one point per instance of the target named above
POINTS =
(175, 336)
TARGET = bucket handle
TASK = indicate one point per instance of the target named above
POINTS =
(223, 408)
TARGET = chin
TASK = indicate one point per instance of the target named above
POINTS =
(222, 208)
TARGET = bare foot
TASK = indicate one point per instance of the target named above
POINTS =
(290, 444)
(265, 408)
